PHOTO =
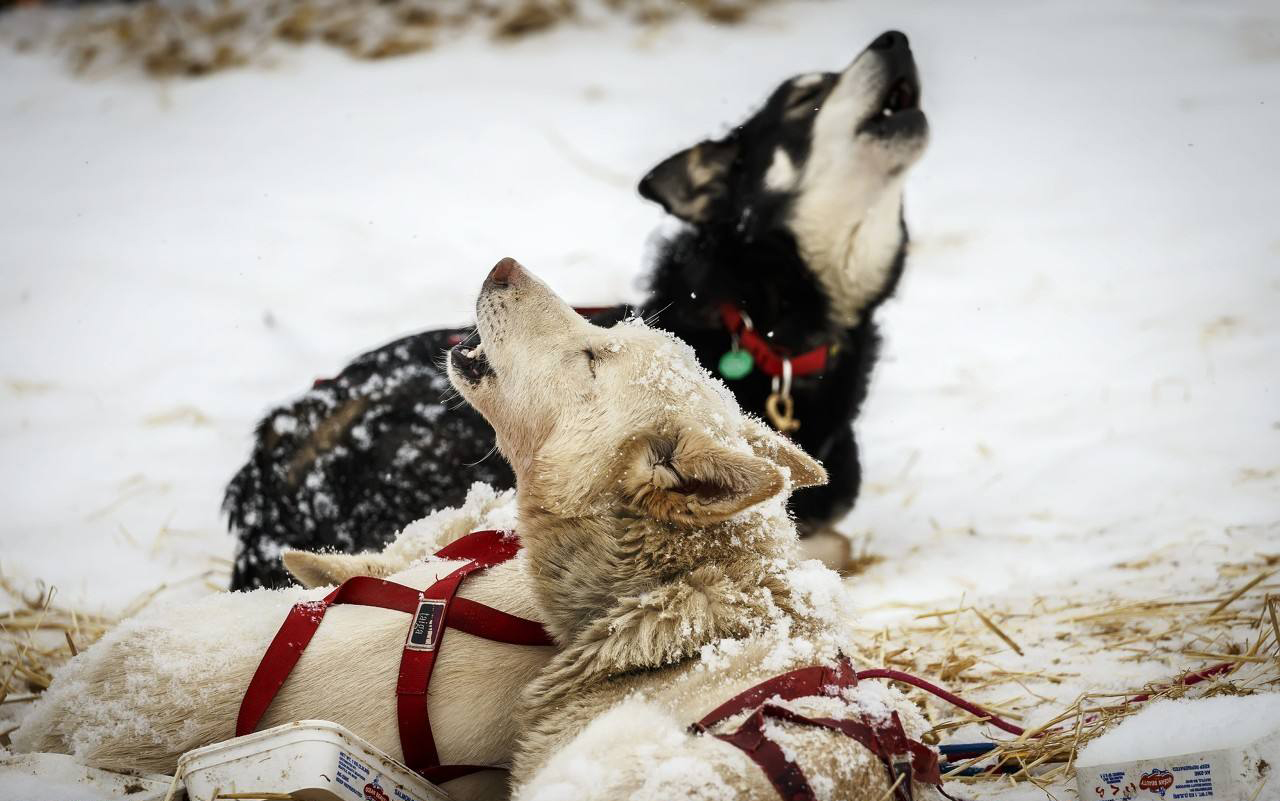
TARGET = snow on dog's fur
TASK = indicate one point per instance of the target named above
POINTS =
(661, 557)
(485, 508)
(172, 679)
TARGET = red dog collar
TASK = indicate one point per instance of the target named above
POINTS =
(767, 358)
(431, 611)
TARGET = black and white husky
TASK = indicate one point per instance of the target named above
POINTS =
(793, 237)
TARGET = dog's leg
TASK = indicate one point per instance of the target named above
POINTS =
(829, 547)
(818, 507)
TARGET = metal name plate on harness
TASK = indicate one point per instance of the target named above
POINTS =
(425, 632)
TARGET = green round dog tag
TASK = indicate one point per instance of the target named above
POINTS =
(736, 364)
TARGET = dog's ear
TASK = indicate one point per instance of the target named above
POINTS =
(691, 478)
(693, 184)
(805, 471)
(325, 569)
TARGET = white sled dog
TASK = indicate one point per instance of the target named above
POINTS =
(172, 679)
(661, 558)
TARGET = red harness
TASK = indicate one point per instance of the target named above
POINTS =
(432, 610)
(904, 758)
(766, 357)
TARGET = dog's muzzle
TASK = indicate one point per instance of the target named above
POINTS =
(898, 112)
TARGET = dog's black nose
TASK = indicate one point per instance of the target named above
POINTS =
(501, 273)
(891, 40)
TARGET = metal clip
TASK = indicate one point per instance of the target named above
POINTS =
(901, 771)
(780, 407)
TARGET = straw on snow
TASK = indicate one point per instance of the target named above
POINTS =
(1236, 636)
(37, 635)
(190, 37)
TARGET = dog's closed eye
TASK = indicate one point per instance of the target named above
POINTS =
(591, 360)
(805, 98)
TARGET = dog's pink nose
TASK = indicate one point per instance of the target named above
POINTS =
(501, 273)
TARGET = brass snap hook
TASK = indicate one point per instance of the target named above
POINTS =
(780, 407)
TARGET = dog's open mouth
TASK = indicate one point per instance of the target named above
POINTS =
(903, 94)
(899, 109)
(470, 363)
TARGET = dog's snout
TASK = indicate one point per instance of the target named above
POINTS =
(891, 40)
(502, 272)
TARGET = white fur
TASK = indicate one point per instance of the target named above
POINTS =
(608, 761)
(849, 195)
(172, 679)
(781, 175)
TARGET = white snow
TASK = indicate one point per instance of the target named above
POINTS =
(1080, 367)
(55, 777)
(1187, 726)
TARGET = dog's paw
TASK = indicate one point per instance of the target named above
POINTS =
(836, 551)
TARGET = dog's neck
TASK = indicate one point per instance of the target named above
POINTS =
(622, 594)
(858, 265)
(791, 280)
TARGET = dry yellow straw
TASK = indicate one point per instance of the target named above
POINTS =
(987, 621)
(1233, 596)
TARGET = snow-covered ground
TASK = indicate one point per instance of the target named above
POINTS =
(1082, 365)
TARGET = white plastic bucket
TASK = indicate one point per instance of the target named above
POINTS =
(313, 760)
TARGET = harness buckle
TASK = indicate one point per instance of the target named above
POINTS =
(902, 777)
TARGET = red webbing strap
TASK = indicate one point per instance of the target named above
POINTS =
(592, 311)
(788, 686)
(277, 663)
(296, 632)
(417, 662)
(488, 547)
(481, 550)
(764, 354)
(484, 621)
(447, 773)
(949, 697)
(902, 756)
(785, 776)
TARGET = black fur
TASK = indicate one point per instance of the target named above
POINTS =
(770, 282)
(386, 442)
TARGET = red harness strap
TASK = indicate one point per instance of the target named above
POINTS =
(764, 354)
(432, 610)
(903, 757)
